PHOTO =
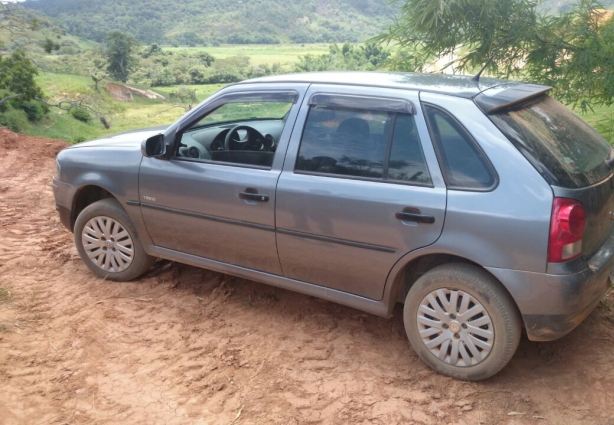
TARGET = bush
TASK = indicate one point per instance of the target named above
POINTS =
(80, 114)
(15, 120)
(35, 111)
(69, 50)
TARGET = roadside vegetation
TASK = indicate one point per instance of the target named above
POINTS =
(55, 84)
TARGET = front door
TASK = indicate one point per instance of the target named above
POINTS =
(360, 188)
(215, 198)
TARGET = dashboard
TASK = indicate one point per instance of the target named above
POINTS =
(204, 142)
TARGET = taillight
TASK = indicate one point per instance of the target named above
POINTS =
(566, 230)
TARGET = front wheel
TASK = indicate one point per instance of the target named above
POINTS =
(461, 322)
(108, 244)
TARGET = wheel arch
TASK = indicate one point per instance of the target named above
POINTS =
(85, 196)
(407, 270)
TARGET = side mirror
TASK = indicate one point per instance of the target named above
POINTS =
(154, 147)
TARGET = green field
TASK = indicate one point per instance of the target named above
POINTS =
(259, 54)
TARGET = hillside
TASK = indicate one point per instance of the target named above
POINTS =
(197, 22)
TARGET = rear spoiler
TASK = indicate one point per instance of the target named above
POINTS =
(507, 98)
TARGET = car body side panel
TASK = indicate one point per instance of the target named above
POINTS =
(507, 227)
(378, 308)
(320, 218)
(120, 176)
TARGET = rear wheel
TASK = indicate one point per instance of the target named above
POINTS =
(461, 322)
(108, 244)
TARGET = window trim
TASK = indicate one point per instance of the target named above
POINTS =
(189, 119)
(349, 101)
(389, 140)
(366, 179)
(233, 164)
(490, 169)
(388, 152)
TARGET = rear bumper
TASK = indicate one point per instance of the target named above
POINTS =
(553, 305)
(62, 192)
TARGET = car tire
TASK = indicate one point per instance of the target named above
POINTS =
(461, 322)
(108, 242)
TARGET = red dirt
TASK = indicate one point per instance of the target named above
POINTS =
(188, 346)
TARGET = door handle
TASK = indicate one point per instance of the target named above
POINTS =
(253, 195)
(413, 214)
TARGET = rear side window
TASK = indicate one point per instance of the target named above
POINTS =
(363, 143)
(560, 145)
(349, 142)
(463, 164)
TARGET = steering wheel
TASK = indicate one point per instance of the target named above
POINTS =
(253, 140)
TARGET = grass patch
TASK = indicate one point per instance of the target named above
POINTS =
(5, 295)
(202, 91)
(602, 119)
(123, 116)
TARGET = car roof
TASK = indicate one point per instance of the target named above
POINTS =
(454, 85)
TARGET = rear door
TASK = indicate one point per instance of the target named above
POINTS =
(360, 188)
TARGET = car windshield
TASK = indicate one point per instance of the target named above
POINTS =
(561, 146)
(245, 111)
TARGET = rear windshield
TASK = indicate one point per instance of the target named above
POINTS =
(560, 145)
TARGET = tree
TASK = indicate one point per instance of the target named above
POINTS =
(21, 29)
(98, 71)
(153, 50)
(205, 58)
(17, 74)
(121, 55)
(573, 52)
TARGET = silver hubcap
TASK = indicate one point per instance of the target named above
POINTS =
(455, 327)
(107, 244)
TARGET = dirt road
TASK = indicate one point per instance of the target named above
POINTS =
(189, 346)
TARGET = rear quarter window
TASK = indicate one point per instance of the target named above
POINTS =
(565, 150)
(464, 165)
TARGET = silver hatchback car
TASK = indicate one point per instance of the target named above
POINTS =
(484, 206)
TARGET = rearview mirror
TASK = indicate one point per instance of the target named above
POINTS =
(154, 147)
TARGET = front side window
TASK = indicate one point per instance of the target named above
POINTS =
(243, 131)
(363, 143)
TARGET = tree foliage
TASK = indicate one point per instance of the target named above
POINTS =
(121, 53)
(200, 22)
(17, 74)
(348, 57)
(573, 52)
